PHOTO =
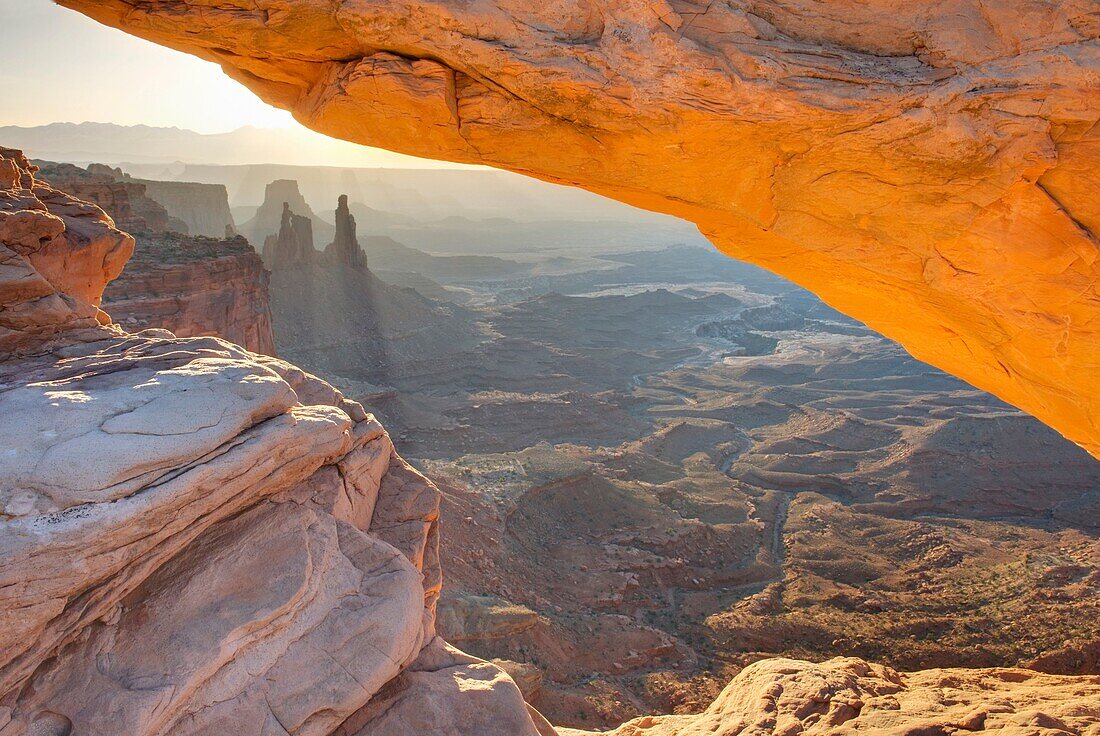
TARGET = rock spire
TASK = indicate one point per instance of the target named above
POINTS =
(293, 245)
(344, 250)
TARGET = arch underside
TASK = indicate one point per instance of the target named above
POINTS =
(930, 170)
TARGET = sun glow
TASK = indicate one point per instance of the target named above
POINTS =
(84, 71)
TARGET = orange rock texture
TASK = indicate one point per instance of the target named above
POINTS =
(850, 696)
(930, 168)
(56, 255)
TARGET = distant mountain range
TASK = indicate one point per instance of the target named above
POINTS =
(108, 143)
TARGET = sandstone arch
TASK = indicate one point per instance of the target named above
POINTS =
(930, 168)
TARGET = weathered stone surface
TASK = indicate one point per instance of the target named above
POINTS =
(281, 614)
(195, 286)
(194, 539)
(449, 693)
(469, 616)
(292, 246)
(850, 696)
(124, 200)
(344, 250)
(56, 255)
(927, 168)
(191, 286)
(268, 218)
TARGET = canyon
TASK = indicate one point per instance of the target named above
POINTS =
(634, 478)
(194, 286)
(189, 285)
(181, 534)
(702, 466)
(264, 558)
(881, 154)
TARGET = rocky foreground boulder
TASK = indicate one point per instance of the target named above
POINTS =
(928, 167)
(849, 696)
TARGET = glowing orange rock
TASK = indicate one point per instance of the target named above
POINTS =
(928, 167)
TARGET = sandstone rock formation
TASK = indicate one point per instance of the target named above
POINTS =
(344, 250)
(195, 286)
(293, 245)
(189, 286)
(268, 218)
(850, 696)
(204, 208)
(927, 168)
(125, 201)
(56, 255)
(195, 539)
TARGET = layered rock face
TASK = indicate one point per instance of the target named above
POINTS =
(204, 208)
(56, 255)
(279, 195)
(197, 539)
(927, 168)
(293, 245)
(126, 201)
(191, 286)
(195, 286)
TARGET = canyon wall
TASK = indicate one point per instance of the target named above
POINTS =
(127, 202)
(56, 255)
(203, 207)
(928, 168)
(194, 286)
(190, 286)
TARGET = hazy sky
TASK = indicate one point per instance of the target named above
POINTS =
(57, 65)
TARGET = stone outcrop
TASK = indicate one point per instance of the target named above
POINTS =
(196, 539)
(204, 208)
(127, 202)
(293, 245)
(927, 168)
(56, 255)
(850, 696)
(190, 286)
(195, 286)
(344, 250)
(268, 218)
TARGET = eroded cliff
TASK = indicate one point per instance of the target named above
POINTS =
(927, 168)
(195, 286)
(204, 208)
(190, 286)
(195, 538)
